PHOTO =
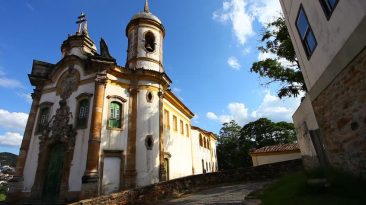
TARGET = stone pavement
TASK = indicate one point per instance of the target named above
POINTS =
(232, 194)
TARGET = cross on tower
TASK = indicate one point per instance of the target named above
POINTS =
(81, 19)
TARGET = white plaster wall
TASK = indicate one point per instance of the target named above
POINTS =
(115, 139)
(81, 143)
(201, 153)
(304, 120)
(330, 35)
(178, 145)
(268, 159)
(147, 161)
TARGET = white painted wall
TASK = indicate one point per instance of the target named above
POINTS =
(200, 153)
(331, 35)
(81, 144)
(305, 120)
(178, 145)
(268, 159)
(147, 161)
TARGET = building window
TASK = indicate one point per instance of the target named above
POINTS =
(201, 141)
(43, 119)
(187, 130)
(166, 119)
(115, 115)
(305, 32)
(328, 6)
(149, 142)
(175, 123)
(181, 127)
(149, 96)
(149, 41)
(83, 113)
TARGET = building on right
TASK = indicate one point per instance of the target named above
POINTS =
(329, 37)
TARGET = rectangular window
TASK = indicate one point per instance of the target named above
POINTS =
(306, 33)
(328, 6)
(181, 127)
(175, 123)
(83, 113)
(166, 119)
(43, 119)
(115, 115)
(187, 130)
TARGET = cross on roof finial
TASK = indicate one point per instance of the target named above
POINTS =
(146, 7)
(81, 19)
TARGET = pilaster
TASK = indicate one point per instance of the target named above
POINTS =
(91, 175)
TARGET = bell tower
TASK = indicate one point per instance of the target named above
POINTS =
(145, 34)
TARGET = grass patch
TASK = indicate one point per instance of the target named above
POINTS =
(294, 189)
(2, 197)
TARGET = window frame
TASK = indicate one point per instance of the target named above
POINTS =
(328, 11)
(175, 123)
(80, 98)
(42, 106)
(308, 30)
(181, 127)
(166, 121)
(118, 100)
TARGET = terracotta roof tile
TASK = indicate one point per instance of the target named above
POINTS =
(277, 148)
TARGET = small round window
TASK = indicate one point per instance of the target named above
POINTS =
(149, 97)
(150, 42)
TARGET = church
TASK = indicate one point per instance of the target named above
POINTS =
(96, 127)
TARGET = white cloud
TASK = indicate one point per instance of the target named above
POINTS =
(233, 62)
(211, 116)
(235, 12)
(26, 96)
(11, 139)
(10, 83)
(176, 90)
(30, 7)
(271, 107)
(265, 10)
(242, 13)
(236, 111)
(13, 120)
(283, 61)
(247, 50)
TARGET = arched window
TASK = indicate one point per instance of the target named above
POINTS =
(115, 111)
(149, 41)
(83, 113)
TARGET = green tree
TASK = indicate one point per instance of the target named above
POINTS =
(264, 132)
(235, 142)
(228, 152)
(277, 41)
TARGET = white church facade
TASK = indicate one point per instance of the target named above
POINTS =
(96, 127)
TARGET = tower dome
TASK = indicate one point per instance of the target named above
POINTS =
(145, 33)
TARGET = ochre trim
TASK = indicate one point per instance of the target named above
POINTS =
(170, 97)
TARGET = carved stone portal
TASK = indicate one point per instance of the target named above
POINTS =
(57, 148)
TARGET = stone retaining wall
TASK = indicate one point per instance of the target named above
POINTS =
(341, 113)
(152, 193)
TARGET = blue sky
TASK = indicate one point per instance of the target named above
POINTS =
(208, 50)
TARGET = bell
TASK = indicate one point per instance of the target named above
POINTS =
(149, 48)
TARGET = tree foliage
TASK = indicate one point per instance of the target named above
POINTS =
(277, 41)
(235, 142)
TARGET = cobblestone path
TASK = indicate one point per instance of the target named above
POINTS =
(232, 194)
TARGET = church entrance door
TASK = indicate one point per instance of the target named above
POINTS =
(51, 187)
